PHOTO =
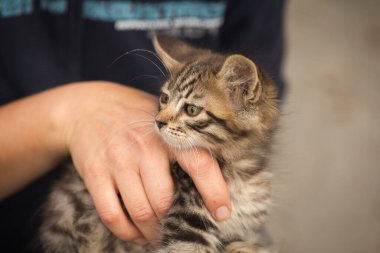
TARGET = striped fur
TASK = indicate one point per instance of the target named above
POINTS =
(236, 119)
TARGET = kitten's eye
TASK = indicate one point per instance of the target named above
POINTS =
(164, 98)
(193, 110)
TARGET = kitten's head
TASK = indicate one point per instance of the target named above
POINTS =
(211, 100)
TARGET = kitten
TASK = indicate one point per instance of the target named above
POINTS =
(225, 104)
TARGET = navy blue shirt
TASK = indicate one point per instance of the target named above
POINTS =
(47, 43)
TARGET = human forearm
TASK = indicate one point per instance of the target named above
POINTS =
(29, 140)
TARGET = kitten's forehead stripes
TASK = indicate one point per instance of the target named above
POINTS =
(174, 83)
(189, 84)
(198, 96)
(188, 76)
(189, 92)
(189, 71)
(185, 74)
(194, 74)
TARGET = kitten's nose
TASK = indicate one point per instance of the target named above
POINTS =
(160, 124)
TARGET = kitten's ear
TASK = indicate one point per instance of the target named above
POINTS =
(239, 75)
(174, 52)
(162, 45)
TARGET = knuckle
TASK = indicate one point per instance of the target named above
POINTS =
(201, 165)
(95, 176)
(109, 217)
(204, 160)
(200, 174)
(92, 172)
(164, 204)
(114, 155)
(141, 213)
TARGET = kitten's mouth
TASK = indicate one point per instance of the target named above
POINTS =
(174, 138)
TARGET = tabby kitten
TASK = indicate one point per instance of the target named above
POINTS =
(224, 104)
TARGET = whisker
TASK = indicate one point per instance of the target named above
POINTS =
(146, 134)
(150, 113)
(196, 155)
(155, 64)
(133, 52)
(211, 154)
(116, 133)
(144, 125)
(155, 55)
(153, 114)
(176, 150)
(140, 121)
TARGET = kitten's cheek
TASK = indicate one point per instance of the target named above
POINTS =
(165, 136)
(162, 132)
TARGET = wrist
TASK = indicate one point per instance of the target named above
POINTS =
(54, 111)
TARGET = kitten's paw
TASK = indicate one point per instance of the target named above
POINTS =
(243, 247)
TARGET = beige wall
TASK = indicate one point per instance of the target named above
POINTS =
(328, 152)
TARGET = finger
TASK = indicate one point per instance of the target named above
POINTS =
(158, 184)
(208, 179)
(108, 206)
(138, 206)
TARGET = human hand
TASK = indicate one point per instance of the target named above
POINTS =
(109, 132)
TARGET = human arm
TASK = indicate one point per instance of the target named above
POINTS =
(104, 127)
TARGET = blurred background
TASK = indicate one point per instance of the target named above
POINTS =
(327, 190)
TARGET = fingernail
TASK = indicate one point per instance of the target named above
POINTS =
(222, 213)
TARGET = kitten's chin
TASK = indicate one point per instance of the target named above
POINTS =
(174, 141)
(182, 143)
